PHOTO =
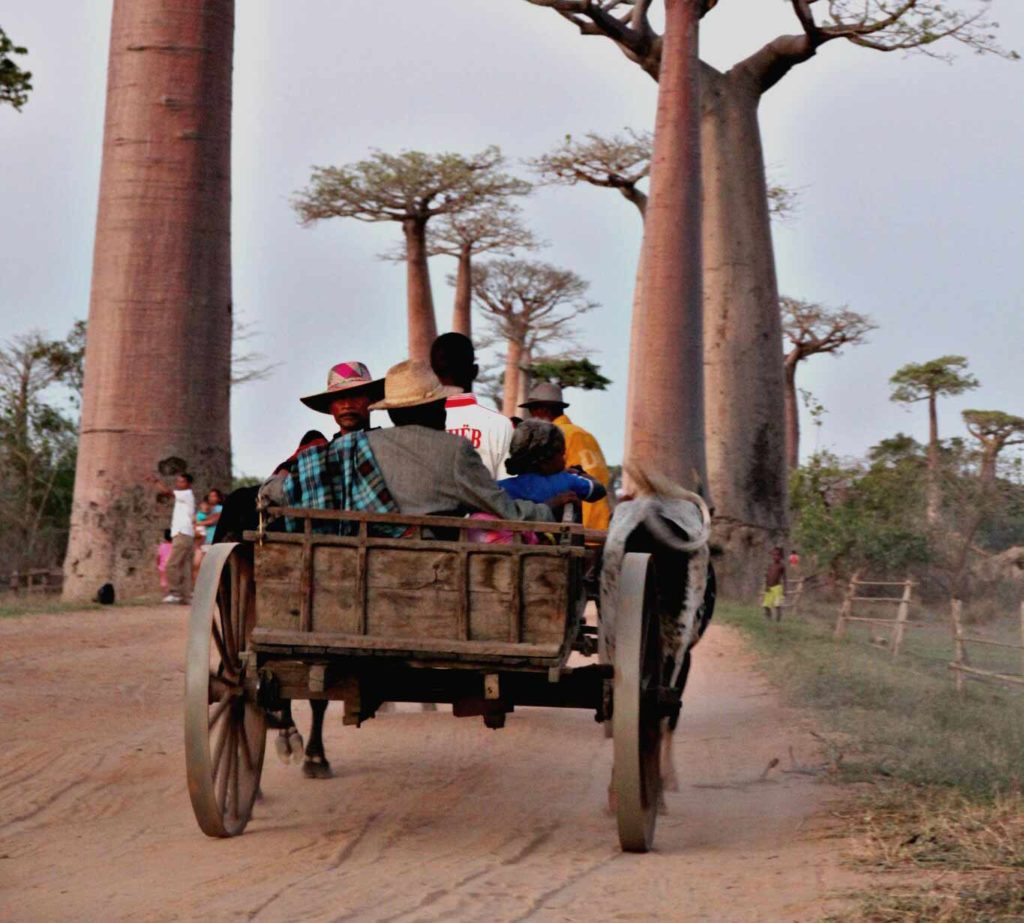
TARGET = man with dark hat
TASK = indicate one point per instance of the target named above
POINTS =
(581, 448)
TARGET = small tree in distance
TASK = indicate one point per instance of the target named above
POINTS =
(569, 372)
(812, 330)
(527, 303)
(410, 188)
(995, 430)
(926, 381)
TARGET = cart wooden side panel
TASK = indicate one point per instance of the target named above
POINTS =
(417, 593)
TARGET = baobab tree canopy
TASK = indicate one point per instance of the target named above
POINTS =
(618, 161)
(622, 161)
(922, 381)
(410, 187)
(995, 430)
(813, 329)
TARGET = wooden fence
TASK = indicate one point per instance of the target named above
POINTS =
(961, 665)
(793, 594)
(897, 625)
(33, 582)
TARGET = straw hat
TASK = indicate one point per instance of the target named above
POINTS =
(345, 376)
(410, 384)
(544, 393)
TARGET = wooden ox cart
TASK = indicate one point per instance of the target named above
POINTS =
(428, 617)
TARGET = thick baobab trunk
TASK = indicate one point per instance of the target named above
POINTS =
(462, 317)
(989, 454)
(158, 357)
(792, 418)
(932, 487)
(513, 360)
(743, 373)
(420, 299)
(665, 416)
(525, 380)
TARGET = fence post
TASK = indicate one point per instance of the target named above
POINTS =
(845, 608)
(1022, 636)
(959, 650)
(800, 589)
(899, 629)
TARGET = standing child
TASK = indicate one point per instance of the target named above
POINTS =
(163, 554)
(774, 586)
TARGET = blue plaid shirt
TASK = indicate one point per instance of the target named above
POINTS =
(343, 475)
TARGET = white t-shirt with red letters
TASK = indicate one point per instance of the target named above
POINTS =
(488, 431)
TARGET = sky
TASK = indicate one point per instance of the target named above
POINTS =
(908, 172)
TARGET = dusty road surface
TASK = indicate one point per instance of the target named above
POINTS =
(429, 818)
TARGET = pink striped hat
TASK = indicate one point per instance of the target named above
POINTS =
(345, 376)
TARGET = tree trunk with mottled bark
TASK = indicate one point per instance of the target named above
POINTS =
(932, 487)
(743, 374)
(422, 324)
(157, 364)
(665, 417)
(792, 417)
(513, 361)
(462, 317)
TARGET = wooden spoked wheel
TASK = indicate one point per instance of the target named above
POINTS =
(225, 731)
(636, 720)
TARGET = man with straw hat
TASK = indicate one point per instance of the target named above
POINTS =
(581, 449)
(427, 470)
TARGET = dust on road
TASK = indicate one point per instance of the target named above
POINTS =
(429, 818)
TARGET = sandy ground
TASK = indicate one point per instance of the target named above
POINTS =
(429, 818)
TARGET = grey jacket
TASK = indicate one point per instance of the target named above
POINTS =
(429, 471)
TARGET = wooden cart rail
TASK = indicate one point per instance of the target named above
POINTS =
(419, 597)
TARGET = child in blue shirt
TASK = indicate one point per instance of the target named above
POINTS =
(537, 461)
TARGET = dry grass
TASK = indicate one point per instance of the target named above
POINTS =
(943, 823)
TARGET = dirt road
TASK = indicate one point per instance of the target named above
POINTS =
(429, 818)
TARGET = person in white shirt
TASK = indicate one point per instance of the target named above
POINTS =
(179, 570)
(454, 362)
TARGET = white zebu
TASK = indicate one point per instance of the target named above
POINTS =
(673, 525)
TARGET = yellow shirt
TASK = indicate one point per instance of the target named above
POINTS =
(581, 449)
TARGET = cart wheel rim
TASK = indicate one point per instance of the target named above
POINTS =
(636, 724)
(225, 732)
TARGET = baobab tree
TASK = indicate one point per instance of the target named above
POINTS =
(496, 229)
(995, 430)
(158, 347)
(411, 188)
(812, 330)
(743, 378)
(15, 83)
(927, 381)
(527, 303)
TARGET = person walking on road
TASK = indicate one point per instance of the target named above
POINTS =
(774, 586)
(581, 448)
(179, 569)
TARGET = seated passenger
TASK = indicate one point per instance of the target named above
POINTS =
(537, 461)
(427, 470)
